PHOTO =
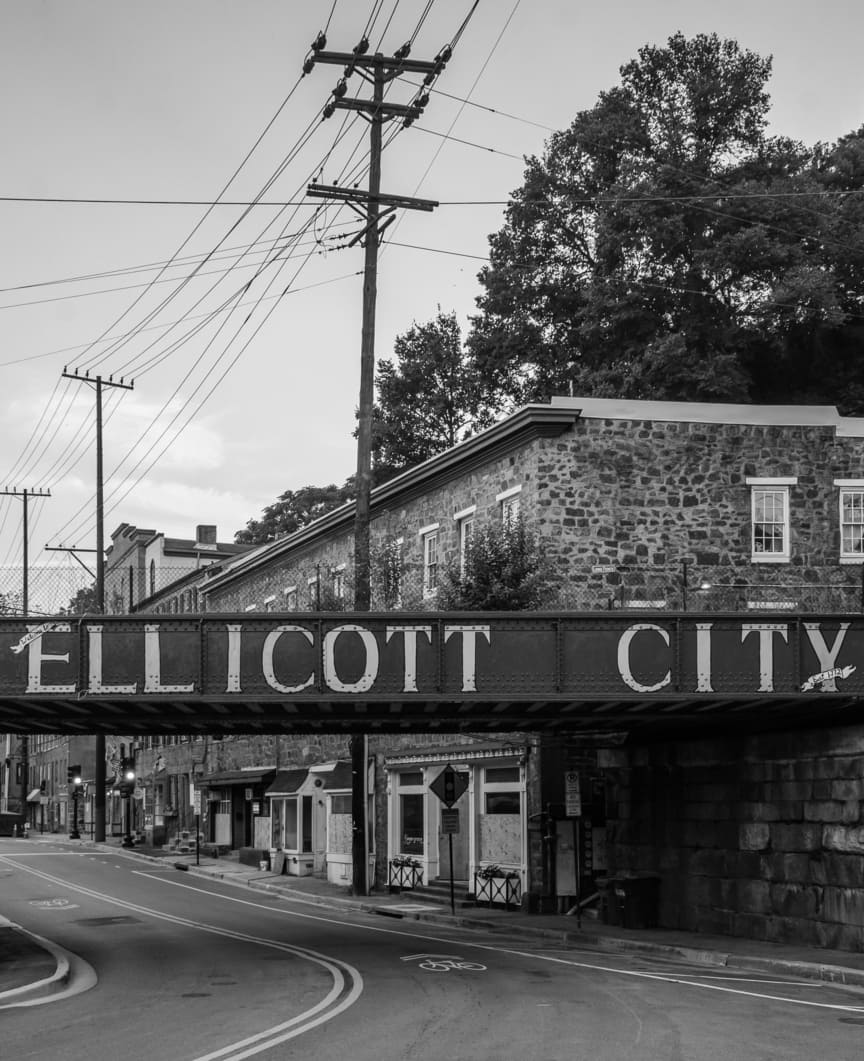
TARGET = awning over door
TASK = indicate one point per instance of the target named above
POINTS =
(239, 777)
(33, 797)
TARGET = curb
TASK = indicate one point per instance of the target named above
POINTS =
(39, 988)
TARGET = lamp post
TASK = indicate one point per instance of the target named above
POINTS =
(74, 777)
(127, 787)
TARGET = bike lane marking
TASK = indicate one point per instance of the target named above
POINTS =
(497, 949)
(326, 1009)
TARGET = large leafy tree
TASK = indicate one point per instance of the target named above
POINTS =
(294, 509)
(665, 246)
(429, 396)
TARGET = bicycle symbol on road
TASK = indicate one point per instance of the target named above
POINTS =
(443, 963)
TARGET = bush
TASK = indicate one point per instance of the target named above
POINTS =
(504, 570)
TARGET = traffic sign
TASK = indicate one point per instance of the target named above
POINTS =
(449, 822)
(449, 785)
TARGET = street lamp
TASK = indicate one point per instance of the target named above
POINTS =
(127, 787)
(73, 778)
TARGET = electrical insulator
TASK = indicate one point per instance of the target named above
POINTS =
(422, 101)
(362, 47)
(308, 65)
(319, 43)
(430, 77)
(340, 89)
(403, 52)
(407, 121)
(329, 109)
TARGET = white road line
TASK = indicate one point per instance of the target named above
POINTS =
(326, 1009)
(463, 942)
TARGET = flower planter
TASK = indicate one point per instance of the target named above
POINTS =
(505, 889)
(404, 874)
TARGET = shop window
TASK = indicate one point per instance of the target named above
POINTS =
(339, 583)
(501, 790)
(340, 804)
(411, 804)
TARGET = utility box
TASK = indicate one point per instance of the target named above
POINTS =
(299, 865)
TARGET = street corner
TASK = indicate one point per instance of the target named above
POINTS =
(30, 967)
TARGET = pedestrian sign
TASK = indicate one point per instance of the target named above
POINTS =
(449, 785)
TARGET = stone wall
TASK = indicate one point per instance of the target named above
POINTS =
(760, 837)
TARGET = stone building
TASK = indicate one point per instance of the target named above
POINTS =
(753, 828)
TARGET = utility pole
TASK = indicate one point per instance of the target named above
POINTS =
(25, 496)
(378, 70)
(99, 771)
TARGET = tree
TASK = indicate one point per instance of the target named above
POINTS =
(665, 247)
(293, 510)
(83, 603)
(503, 569)
(11, 603)
(429, 397)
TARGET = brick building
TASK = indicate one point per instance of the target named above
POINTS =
(662, 507)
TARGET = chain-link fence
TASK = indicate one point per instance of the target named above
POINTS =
(51, 589)
(316, 586)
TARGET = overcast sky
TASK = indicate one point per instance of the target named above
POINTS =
(106, 99)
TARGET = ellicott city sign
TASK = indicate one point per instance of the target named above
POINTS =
(364, 656)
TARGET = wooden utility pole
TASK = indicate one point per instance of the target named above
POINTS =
(378, 70)
(25, 496)
(99, 771)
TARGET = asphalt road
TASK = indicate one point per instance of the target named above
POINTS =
(186, 969)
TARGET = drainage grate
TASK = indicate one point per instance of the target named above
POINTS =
(122, 919)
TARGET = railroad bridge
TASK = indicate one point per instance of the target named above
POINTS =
(648, 674)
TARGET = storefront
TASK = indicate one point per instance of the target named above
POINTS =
(310, 818)
(488, 835)
(236, 812)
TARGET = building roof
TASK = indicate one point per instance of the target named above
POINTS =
(526, 424)
(713, 413)
(260, 775)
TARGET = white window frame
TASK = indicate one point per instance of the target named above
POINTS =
(428, 536)
(464, 519)
(778, 485)
(339, 582)
(510, 502)
(270, 603)
(290, 598)
(849, 486)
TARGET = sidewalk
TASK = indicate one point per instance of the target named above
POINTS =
(27, 963)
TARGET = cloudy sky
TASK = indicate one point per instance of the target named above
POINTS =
(246, 375)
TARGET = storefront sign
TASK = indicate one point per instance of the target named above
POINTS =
(368, 657)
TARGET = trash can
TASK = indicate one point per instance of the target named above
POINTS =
(613, 906)
(640, 900)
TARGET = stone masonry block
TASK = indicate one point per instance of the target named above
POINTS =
(844, 905)
(754, 837)
(806, 837)
(753, 896)
(828, 811)
(842, 838)
(848, 788)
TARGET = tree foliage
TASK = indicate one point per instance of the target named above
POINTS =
(294, 509)
(504, 569)
(429, 396)
(84, 602)
(664, 246)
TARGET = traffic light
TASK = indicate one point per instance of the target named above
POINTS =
(73, 775)
(127, 776)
